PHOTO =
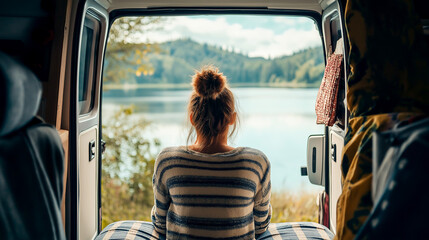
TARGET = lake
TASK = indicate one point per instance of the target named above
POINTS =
(276, 121)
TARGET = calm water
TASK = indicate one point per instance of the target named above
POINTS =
(275, 121)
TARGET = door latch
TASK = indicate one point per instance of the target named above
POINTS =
(334, 152)
(103, 146)
(92, 150)
(304, 171)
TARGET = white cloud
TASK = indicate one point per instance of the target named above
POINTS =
(291, 21)
(255, 42)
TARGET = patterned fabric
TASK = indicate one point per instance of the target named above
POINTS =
(355, 203)
(400, 177)
(388, 58)
(201, 195)
(139, 230)
(388, 83)
(326, 103)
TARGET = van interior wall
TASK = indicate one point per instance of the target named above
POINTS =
(35, 33)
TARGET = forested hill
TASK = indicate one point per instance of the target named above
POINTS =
(176, 61)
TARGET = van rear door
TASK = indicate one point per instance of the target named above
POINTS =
(335, 39)
(89, 42)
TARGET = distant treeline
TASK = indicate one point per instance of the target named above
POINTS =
(176, 61)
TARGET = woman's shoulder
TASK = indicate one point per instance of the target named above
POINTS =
(252, 150)
(169, 151)
(167, 154)
(239, 151)
(255, 152)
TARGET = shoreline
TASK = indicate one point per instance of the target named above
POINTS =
(186, 86)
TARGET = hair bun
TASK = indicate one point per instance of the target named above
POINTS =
(208, 82)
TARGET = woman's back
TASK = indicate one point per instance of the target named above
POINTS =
(223, 195)
(199, 195)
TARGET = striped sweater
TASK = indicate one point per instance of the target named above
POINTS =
(204, 196)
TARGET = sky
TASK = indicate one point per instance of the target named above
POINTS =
(257, 36)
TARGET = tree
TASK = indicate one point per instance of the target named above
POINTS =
(126, 54)
(127, 169)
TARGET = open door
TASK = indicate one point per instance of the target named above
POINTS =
(84, 120)
(324, 152)
(333, 33)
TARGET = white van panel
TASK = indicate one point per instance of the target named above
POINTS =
(88, 184)
(337, 145)
(312, 5)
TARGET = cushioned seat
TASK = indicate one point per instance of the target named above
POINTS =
(139, 230)
(31, 160)
(399, 186)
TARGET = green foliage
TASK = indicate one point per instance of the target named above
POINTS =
(126, 55)
(127, 168)
(130, 58)
(177, 60)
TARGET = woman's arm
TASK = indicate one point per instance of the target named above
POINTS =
(262, 208)
(161, 204)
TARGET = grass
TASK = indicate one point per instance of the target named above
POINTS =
(289, 207)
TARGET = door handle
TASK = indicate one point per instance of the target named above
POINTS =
(313, 163)
(92, 150)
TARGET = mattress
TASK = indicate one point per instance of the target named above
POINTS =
(139, 230)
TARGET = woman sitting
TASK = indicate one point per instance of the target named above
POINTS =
(210, 189)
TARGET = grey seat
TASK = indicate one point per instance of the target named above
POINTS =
(399, 189)
(31, 159)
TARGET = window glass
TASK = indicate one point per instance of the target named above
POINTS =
(335, 28)
(87, 63)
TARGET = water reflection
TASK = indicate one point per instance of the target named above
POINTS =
(276, 121)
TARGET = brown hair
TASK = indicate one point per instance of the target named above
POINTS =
(211, 104)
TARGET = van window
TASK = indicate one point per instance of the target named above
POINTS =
(274, 65)
(341, 111)
(87, 61)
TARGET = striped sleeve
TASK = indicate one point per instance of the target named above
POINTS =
(161, 202)
(262, 208)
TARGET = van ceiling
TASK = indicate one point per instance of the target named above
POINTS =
(25, 8)
(312, 5)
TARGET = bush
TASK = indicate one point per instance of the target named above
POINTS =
(127, 168)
